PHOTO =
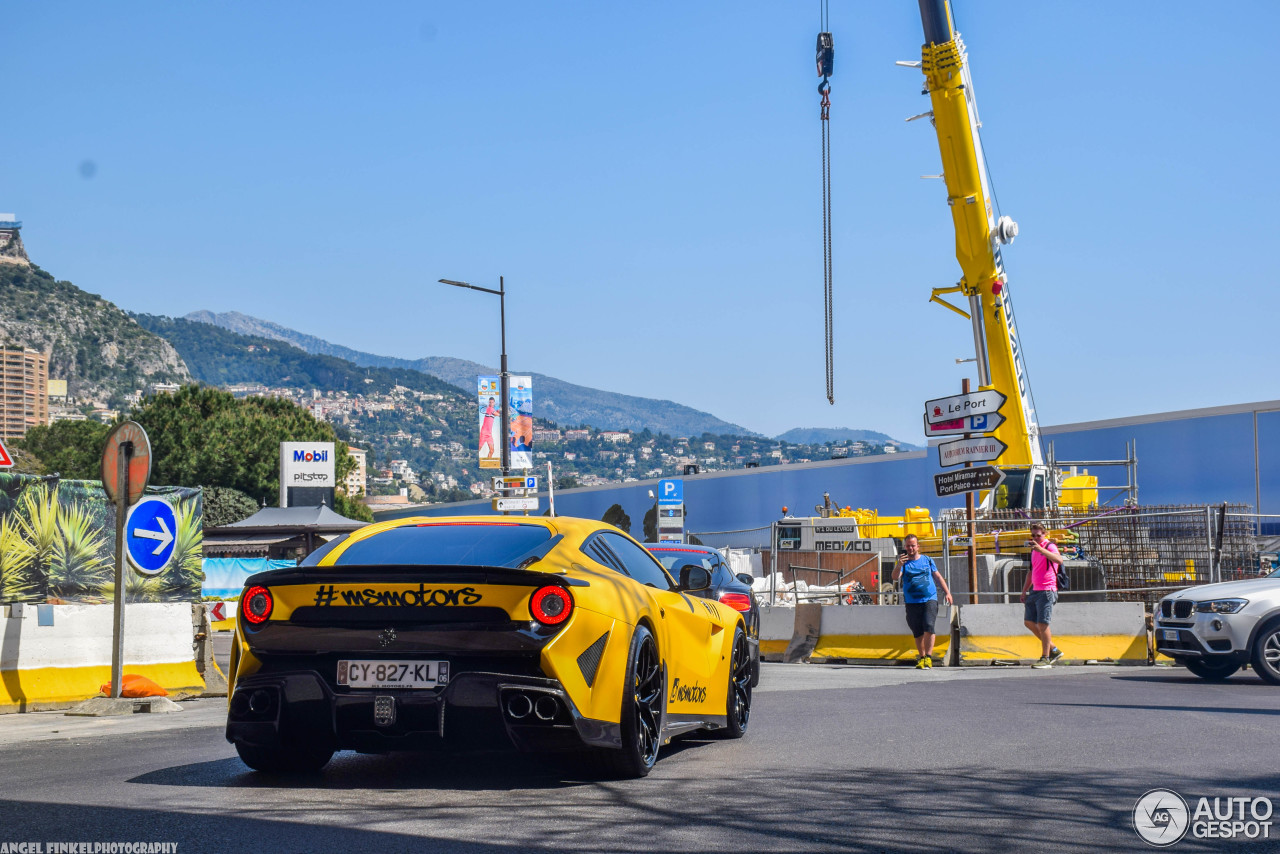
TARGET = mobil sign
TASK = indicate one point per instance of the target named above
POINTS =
(307, 464)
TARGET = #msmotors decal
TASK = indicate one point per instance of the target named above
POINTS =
(422, 597)
(694, 693)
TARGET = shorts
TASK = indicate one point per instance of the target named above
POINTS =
(921, 616)
(1039, 606)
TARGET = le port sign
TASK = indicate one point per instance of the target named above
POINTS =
(985, 402)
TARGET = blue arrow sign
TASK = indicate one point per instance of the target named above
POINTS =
(671, 492)
(149, 535)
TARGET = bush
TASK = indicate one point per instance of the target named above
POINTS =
(224, 505)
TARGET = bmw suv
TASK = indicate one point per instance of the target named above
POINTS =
(1216, 629)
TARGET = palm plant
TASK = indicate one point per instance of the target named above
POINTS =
(36, 518)
(17, 582)
(81, 564)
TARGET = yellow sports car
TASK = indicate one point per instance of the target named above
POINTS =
(547, 633)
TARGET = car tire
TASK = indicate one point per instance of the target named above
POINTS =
(281, 760)
(1266, 653)
(738, 702)
(1214, 670)
(644, 702)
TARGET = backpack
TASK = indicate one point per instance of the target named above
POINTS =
(1064, 581)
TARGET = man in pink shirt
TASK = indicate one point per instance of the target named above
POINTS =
(1040, 592)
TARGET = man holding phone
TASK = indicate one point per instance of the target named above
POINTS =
(920, 593)
(1040, 592)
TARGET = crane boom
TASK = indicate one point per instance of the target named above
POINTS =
(979, 234)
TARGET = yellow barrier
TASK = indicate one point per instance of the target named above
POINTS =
(1084, 631)
(875, 633)
(60, 687)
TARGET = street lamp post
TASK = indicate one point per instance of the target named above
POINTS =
(504, 377)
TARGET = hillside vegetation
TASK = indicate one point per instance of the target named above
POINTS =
(101, 352)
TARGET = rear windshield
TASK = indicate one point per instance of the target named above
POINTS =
(446, 545)
(671, 557)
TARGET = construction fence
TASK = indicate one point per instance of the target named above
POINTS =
(1122, 554)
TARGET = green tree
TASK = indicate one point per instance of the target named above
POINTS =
(345, 505)
(73, 449)
(223, 505)
(206, 437)
(617, 517)
(651, 524)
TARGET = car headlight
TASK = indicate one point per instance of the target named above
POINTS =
(1221, 606)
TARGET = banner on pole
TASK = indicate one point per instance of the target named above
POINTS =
(490, 399)
(521, 421)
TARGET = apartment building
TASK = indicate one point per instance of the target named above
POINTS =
(24, 391)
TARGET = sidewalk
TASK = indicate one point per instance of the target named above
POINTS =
(58, 726)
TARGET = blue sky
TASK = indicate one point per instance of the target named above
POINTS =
(646, 177)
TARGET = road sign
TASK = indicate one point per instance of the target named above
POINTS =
(508, 504)
(149, 535)
(967, 480)
(981, 449)
(6, 461)
(963, 405)
(971, 424)
(518, 481)
(671, 491)
(130, 439)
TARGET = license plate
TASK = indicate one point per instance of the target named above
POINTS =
(1169, 634)
(393, 674)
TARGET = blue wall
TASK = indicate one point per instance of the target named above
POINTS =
(1206, 456)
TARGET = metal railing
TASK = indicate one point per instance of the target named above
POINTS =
(1120, 554)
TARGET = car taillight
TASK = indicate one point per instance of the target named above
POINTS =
(256, 604)
(551, 605)
(736, 601)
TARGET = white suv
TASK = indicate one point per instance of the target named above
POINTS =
(1216, 629)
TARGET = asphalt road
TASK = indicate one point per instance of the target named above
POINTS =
(837, 759)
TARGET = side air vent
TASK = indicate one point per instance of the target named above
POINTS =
(589, 661)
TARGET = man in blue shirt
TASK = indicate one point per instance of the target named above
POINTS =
(920, 593)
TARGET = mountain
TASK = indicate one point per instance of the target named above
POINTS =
(98, 349)
(826, 435)
(221, 357)
(554, 399)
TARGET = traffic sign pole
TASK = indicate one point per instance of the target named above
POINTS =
(969, 514)
(123, 455)
(128, 452)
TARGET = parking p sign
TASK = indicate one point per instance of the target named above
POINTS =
(671, 491)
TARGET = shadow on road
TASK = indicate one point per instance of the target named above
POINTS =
(858, 809)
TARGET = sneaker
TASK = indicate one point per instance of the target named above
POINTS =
(920, 663)
(1055, 654)
(1042, 664)
(928, 663)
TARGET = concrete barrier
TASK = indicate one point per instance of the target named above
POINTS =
(875, 633)
(53, 656)
(1084, 631)
(777, 625)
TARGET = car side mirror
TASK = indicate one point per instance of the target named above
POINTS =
(746, 578)
(694, 577)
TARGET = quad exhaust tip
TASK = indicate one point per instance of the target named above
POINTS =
(546, 708)
(521, 705)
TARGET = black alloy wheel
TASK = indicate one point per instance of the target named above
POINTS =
(643, 708)
(739, 703)
(1211, 669)
(282, 760)
(1266, 653)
